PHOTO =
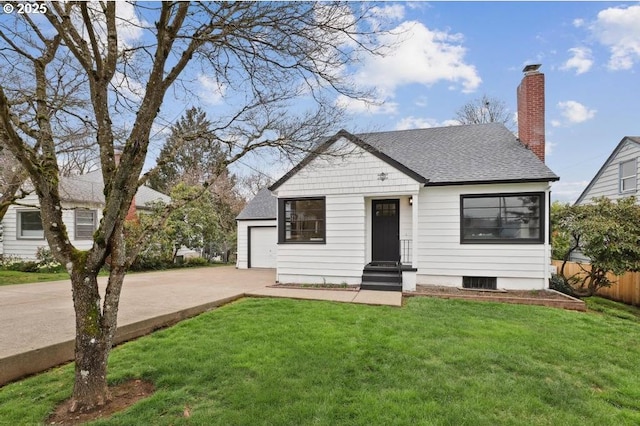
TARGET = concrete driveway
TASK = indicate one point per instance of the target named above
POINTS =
(37, 320)
(37, 315)
(37, 325)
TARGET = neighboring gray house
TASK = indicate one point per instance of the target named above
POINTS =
(618, 176)
(464, 206)
(82, 200)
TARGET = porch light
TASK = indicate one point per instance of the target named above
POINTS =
(382, 176)
(411, 200)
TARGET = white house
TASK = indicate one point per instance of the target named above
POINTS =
(463, 206)
(618, 176)
(82, 201)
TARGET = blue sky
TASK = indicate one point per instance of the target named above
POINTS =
(454, 52)
(590, 55)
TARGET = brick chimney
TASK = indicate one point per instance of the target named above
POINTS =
(132, 212)
(531, 110)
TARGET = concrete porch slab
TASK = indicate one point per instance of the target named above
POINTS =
(373, 297)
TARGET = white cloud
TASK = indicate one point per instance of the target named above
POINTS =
(128, 24)
(423, 123)
(618, 28)
(418, 55)
(128, 87)
(379, 16)
(549, 147)
(211, 91)
(581, 60)
(574, 112)
(369, 106)
(394, 11)
(578, 22)
(129, 27)
(567, 191)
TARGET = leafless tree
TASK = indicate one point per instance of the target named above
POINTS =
(261, 55)
(12, 179)
(485, 109)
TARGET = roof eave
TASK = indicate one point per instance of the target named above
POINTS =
(495, 181)
(608, 161)
(359, 142)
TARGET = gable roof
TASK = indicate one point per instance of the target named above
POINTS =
(614, 154)
(263, 206)
(453, 155)
(89, 187)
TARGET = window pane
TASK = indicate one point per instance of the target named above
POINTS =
(628, 169)
(629, 184)
(31, 224)
(628, 178)
(510, 217)
(85, 224)
(304, 220)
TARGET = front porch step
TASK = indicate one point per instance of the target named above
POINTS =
(380, 286)
(383, 276)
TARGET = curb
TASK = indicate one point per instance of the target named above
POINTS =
(24, 364)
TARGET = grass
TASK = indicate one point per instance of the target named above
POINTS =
(612, 308)
(432, 362)
(15, 277)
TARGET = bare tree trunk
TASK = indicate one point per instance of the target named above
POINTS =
(92, 344)
(95, 328)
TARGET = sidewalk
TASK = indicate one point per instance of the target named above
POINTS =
(37, 321)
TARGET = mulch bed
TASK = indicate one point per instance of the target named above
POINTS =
(318, 286)
(550, 298)
(123, 396)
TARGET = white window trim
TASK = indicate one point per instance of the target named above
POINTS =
(19, 235)
(75, 224)
(621, 189)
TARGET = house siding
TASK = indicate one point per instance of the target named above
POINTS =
(26, 248)
(607, 184)
(344, 178)
(242, 261)
(443, 260)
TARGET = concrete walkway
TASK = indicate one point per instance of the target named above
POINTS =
(37, 325)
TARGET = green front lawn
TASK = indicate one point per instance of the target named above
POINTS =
(432, 362)
(15, 277)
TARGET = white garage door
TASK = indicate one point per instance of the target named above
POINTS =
(263, 247)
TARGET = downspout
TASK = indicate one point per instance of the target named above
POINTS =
(547, 237)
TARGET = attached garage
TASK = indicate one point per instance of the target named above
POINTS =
(257, 232)
(262, 247)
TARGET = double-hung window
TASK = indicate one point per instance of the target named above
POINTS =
(628, 176)
(86, 221)
(502, 218)
(301, 220)
(30, 225)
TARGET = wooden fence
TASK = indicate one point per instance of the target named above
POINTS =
(626, 288)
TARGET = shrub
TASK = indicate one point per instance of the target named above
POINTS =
(557, 282)
(196, 261)
(46, 262)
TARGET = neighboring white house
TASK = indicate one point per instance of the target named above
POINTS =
(618, 176)
(82, 201)
(464, 206)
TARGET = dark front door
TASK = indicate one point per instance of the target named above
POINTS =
(385, 230)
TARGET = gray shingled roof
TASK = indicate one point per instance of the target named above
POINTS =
(89, 188)
(453, 155)
(263, 206)
(461, 154)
